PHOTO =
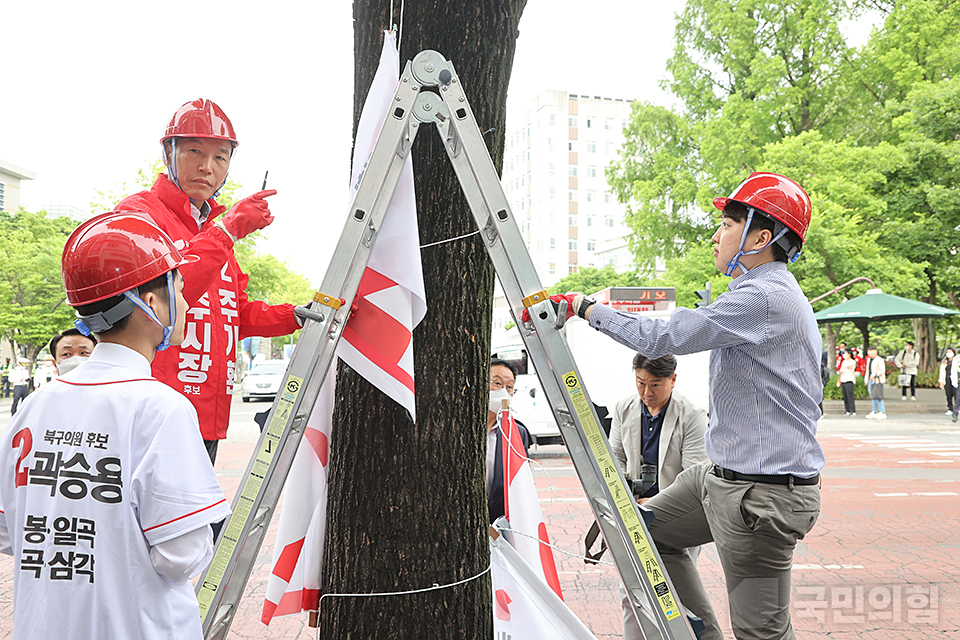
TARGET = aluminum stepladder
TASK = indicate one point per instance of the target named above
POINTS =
(429, 92)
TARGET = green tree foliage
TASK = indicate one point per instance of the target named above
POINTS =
(748, 73)
(32, 300)
(871, 133)
(590, 280)
(270, 279)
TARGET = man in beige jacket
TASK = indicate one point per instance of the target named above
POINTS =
(655, 426)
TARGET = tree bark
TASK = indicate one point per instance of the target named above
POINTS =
(926, 331)
(407, 502)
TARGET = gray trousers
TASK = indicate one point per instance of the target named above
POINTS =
(755, 527)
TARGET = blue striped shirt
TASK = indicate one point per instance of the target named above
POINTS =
(764, 368)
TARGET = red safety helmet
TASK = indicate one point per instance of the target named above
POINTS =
(200, 119)
(777, 197)
(115, 252)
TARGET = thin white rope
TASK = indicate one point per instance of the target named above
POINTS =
(466, 235)
(400, 29)
(435, 587)
(552, 546)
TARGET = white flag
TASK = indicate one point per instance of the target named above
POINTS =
(294, 583)
(522, 506)
(378, 339)
(377, 343)
(524, 607)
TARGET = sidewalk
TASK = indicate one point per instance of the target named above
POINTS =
(928, 401)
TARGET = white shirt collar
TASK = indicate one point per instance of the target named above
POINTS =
(200, 214)
(113, 354)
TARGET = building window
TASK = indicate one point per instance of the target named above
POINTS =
(572, 269)
(572, 171)
(572, 221)
(553, 267)
(591, 196)
(553, 193)
(553, 243)
(606, 196)
(589, 221)
(572, 245)
(591, 245)
(572, 121)
(589, 122)
(591, 146)
(606, 151)
(591, 172)
(572, 195)
(608, 123)
(553, 118)
(608, 221)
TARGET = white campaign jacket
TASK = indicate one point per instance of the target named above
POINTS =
(103, 467)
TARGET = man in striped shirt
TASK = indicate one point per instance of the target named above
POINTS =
(759, 492)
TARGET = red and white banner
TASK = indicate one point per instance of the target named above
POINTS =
(294, 583)
(523, 605)
(377, 343)
(378, 340)
(522, 506)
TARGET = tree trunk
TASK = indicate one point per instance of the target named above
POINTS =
(926, 331)
(407, 504)
(865, 334)
(831, 344)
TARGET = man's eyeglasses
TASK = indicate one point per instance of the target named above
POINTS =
(496, 385)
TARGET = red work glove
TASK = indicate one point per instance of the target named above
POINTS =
(556, 300)
(249, 215)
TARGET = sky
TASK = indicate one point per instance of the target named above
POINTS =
(89, 88)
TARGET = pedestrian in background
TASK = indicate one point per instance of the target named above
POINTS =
(20, 379)
(848, 374)
(908, 361)
(876, 377)
(947, 377)
(5, 378)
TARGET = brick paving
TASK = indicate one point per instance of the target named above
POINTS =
(870, 569)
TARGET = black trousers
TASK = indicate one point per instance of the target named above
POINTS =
(19, 393)
(849, 405)
(951, 392)
(913, 386)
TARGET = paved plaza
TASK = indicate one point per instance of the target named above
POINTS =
(882, 561)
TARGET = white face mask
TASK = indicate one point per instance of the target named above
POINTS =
(71, 363)
(495, 399)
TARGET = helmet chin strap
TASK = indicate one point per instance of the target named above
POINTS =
(147, 309)
(735, 263)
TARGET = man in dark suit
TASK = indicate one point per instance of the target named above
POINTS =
(503, 377)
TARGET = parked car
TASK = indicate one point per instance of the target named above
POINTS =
(263, 380)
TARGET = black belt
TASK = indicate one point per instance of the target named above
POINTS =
(727, 474)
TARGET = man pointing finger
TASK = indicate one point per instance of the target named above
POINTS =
(198, 145)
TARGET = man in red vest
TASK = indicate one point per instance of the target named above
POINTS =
(198, 145)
